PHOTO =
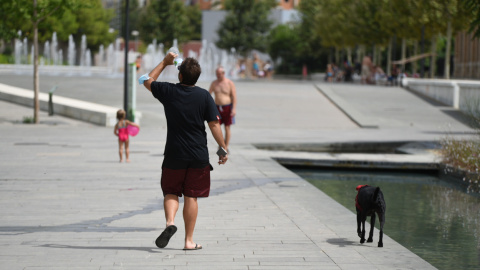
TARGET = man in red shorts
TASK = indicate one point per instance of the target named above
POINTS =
(226, 100)
(186, 167)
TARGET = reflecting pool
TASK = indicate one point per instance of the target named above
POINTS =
(433, 218)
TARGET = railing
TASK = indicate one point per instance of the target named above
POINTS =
(459, 94)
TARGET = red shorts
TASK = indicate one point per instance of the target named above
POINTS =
(190, 178)
(225, 113)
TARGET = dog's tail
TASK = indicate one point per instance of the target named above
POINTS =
(380, 202)
(375, 194)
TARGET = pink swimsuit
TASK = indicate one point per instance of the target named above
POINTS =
(123, 133)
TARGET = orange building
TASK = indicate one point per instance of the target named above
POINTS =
(288, 4)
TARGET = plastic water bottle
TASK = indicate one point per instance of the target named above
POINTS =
(177, 61)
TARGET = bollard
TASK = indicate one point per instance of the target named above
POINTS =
(456, 95)
(50, 101)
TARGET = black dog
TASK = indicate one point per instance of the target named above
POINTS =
(369, 201)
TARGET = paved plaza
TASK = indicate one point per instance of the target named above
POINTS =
(67, 203)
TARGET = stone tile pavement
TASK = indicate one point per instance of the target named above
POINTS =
(66, 202)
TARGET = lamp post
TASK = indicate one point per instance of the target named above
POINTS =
(125, 80)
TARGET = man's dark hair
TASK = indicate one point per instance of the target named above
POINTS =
(190, 70)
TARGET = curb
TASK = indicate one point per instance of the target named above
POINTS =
(357, 117)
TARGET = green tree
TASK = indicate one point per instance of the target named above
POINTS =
(16, 16)
(334, 23)
(33, 14)
(245, 26)
(194, 15)
(165, 21)
(309, 35)
(134, 13)
(405, 19)
(473, 7)
(453, 16)
(368, 24)
(64, 25)
(89, 18)
(284, 48)
(282, 41)
(9, 23)
(93, 21)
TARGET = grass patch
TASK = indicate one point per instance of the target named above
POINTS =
(7, 59)
(28, 120)
(464, 154)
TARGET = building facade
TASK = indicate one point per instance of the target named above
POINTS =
(467, 57)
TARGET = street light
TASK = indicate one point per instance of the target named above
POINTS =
(125, 79)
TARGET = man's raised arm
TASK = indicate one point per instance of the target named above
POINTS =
(153, 75)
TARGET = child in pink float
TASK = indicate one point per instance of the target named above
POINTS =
(122, 132)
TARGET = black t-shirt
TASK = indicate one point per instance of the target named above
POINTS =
(186, 109)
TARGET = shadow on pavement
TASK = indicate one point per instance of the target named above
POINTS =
(341, 242)
(147, 249)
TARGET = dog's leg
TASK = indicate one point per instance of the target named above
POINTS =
(359, 221)
(381, 217)
(362, 238)
(372, 225)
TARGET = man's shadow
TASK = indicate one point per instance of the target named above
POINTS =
(147, 249)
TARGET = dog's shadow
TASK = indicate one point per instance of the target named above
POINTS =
(341, 242)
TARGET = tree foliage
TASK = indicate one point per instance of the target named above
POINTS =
(284, 47)
(38, 20)
(8, 21)
(93, 21)
(194, 15)
(341, 23)
(32, 14)
(473, 7)
(19, 15)
(245, 26)
(65, 17)
(165, 21)
(307, 30)
(282, 42)
(134, 14)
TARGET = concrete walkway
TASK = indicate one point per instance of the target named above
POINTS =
(66, 202)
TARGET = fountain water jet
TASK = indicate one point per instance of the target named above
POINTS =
(209, 58)
(109, 61)
(71, 51)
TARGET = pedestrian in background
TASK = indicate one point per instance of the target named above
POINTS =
(121, 132)
(226, 100)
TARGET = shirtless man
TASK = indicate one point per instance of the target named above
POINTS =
(226, 101)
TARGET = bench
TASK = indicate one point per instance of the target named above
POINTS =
(77, 109)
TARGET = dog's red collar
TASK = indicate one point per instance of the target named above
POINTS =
(357, 205)
(360, 186)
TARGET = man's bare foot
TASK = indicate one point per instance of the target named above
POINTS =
(128, 160)
(192, 247)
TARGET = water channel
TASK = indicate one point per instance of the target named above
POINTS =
(433, 218)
